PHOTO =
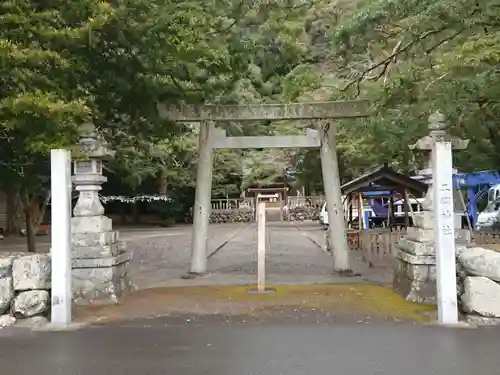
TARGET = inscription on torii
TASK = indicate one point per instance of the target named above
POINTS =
(270, 112)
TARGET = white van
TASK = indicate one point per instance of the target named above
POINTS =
(415, 204)
(323, 214)
(489, 219)
(493, 193)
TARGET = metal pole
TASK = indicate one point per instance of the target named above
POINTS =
(331, 182)
(466, 212)
(201, 209)
(445, 232)
(60, 185)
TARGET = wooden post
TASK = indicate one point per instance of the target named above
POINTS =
(406, 205)
(281, 206)
(390, 213)
(261, 247)
(285, 198)
(390, 208)
(350, 210)
(360, 211)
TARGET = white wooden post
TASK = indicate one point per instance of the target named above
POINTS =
(261, 247)
(445, 232)
(60, 183)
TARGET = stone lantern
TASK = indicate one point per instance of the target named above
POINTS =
(88, 176)
(415, 275)
(100, 260)
(437, 130)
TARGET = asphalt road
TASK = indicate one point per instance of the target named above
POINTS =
(218, 345)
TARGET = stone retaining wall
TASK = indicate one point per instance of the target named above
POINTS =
(239, 215)
(245, 215)
(303, 213)
(24, 289)
(478, 284)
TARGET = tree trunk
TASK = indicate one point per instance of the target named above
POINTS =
(34, 211)
(28, 220)
(163, 183)
(30, 233)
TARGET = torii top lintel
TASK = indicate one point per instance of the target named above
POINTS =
(253, 112)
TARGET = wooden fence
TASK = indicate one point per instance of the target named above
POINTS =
(305, 201)
(486, 238)
(231, 204)
(379, 246)
(220, 205)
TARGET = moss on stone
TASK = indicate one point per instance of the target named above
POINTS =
(342, 299)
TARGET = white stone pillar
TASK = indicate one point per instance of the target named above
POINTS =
(201, 207)
(446, 278)
(446, 222)
(60, 189)
(331, 183)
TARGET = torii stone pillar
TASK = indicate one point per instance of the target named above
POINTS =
(335, 210)
(210, 137)
(202, 207)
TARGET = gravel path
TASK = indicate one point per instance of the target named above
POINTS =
(162, 257)
(291, 258)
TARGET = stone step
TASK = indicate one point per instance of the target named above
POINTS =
(421, 248)
(123, 257)
(462, 236)
(425, 220)
(91, 224)
(106, 251)
(94, 239)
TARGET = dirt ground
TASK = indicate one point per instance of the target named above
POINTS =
(361, 301)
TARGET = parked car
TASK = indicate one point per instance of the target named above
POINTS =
(489, 219)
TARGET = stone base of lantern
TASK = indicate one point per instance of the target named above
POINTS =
(100, 285)
(415, 277)
(100, 263)
(415, 273)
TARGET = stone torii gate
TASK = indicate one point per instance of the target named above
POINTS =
(210, 137)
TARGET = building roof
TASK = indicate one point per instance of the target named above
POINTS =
(384, 178)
